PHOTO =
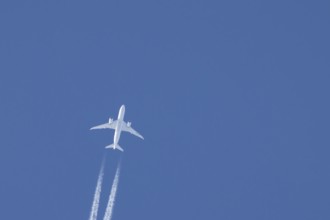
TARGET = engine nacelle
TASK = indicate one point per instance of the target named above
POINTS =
(129, 124)
(110, 120)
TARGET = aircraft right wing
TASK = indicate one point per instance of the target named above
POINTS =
(111, 125)
(129, 129)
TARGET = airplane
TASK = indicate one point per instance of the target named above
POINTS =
(118, 125)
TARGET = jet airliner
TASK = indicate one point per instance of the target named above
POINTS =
(118, 125)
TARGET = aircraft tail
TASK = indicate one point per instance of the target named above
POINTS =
(115, 147)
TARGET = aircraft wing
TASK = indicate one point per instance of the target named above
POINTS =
(111, 125)
(129, 129)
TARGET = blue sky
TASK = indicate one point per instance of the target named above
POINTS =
(232, 98)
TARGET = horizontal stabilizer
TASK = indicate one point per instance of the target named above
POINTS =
(115, 147)
(119, 148)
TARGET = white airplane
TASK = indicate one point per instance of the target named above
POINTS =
(118, 125)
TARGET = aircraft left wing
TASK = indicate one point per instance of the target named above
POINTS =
(129, 129)
(111, 125)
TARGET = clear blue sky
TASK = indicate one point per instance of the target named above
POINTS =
(232, 98)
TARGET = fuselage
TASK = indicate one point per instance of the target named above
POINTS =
(120, 121)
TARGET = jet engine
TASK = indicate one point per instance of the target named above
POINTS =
(129, 124)
(110, 120)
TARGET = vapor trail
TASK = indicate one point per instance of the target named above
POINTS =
(96, 201)
(111, 202)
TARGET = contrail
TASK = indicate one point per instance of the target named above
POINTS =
(111, 202)
(96, 201)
